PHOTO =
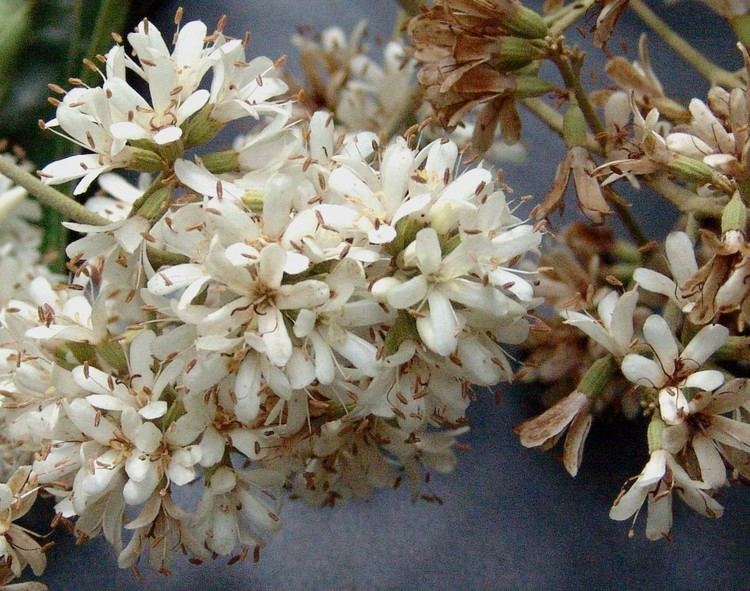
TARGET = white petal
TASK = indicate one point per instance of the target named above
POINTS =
(659, 522)
(681, 256)
(708, 380)
(174, 278)
(658, 334)
(621, 326)
(271, 266)
(713, 471)
(305, 294)
(154, 410)
(704, 344)
(642, 371)
(275, 336)
(443, 324)
(655, 282)
(429, 255)
(591, 328)
(168, 135)
(407, 294)
(247, 389)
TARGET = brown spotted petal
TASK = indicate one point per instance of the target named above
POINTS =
(574, 442)
(630, 77)
(554, 199)
(590, 196)
(485, 126)
(607, 20)
(537, 431)
(510, 120)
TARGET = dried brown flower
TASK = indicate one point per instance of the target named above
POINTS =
(471, 50)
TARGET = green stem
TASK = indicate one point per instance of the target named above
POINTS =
(573, 83)
(710, 71)
(73, 210)
(560, 20)
(685, 200)
(75, 39)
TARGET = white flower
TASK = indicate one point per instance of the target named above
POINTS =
(708, 431)
(682, 266)
(442, 280)
(237, 508)
(614, 330)
(17, 547)
(374, 95)
(115, 122)
(672, 372)
(144, 390)
(661, 475)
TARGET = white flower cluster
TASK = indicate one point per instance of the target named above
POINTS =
(125, 130)
(304, 312)
(679, 384)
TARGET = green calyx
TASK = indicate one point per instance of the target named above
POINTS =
(525, 22)
(404, 329)
(597, 377)
(734, 216)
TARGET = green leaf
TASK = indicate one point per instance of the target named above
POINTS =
(15, 16)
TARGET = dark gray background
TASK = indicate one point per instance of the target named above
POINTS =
(512, 517)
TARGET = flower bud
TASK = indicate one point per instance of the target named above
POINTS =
(406, 232)
(112, 354)
(597, 377)
(574, 126)
(512, 53)
(524, 22)
(145, 160)
(253, 200)
(200, 128)
(734, 216)
(695, 171)
(405, 328)
(154, 203)
(654, 434)
(531, 86)
(443, 217)
(221, 162)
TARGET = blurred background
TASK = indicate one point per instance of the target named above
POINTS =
(511, 518)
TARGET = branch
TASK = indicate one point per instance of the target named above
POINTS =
(709, 70)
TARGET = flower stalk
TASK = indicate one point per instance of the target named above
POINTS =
(709, 70)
